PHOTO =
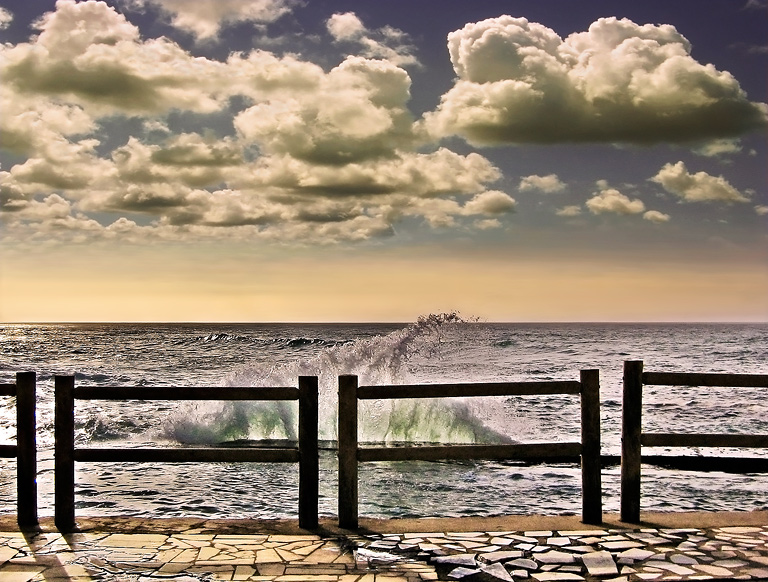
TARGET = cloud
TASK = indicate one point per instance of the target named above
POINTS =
(385, 43)
(355, 112)
(612, 201)
(761, 210)
(569, 211)
(547, 184)
(698, 187)
(89, 55)
(519, 82)
(719, 147)
(6, 17)
(205, 18)
(656, 216)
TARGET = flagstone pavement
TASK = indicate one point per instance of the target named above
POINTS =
(198, 552)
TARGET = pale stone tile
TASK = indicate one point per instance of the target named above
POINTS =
(556, 576)
(289, 556)
(6, 554)
(582, 533)
(11, 573)
(207, 553)
(537, 534)
(683, 560)
(712, 570)
(270, 555)
(600, 564)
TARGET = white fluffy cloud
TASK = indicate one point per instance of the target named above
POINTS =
(698, 187)
(357, 111)
(321, 156)
(611, 201)
(205, 18)
(6, 17)
(547, 184)
(761, 210)
(569, 211)
(656, 216)
(519, 82)
(386, 43)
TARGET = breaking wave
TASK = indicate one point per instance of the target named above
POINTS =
(393, 358)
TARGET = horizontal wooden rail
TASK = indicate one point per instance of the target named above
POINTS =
(184, 393)
(188, 455)
(306, 454)
(633, 438)
(587, 451)
(399, 391)
(710, 380)
(25, 449)
(470, 452)
(703, 440)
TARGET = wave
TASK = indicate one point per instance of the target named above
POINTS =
(393, 358)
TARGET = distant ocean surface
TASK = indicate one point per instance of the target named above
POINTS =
(437, 348)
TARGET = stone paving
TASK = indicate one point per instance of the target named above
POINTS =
(198, 554)
(739, 553)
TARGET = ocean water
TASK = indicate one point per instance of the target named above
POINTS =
(436, 348)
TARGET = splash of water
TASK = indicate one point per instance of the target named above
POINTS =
(394, 358)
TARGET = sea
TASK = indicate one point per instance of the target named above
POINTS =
(442, 347)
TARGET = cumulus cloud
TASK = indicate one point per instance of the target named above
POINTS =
(547, 184)
(519, 82)
(205, 18)
(385, 43)
(656, 216)
(698, 187)
(611, 201)
(357, 111)
(6, 17)
(761, 210)
(89, 55)
(572, 210)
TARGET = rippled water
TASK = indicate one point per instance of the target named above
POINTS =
(435, 349)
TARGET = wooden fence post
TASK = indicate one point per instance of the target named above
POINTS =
(347, 429)
(631, 429)
(26, 441)
(591, 477)
(309, 463)
(64, 458)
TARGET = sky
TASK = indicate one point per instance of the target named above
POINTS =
(320, 161)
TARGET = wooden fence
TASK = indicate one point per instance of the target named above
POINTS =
(350, 453)
(306, 454)
(633, 439)
(25, 449)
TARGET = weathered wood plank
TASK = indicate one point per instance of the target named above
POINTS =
(309, 460)
(591, 477)
(26, 441)
(470, 452)
(466, 390)
(704, 463)
(631, 422)
(715, 380)
(347, 434)
(187, 455)
(185, 393)
(7, 389)
(64, 460)
(704, 440)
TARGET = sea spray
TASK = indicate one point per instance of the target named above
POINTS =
(385, 359)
